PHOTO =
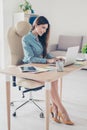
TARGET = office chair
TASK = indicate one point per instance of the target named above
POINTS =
(14, 36)
(32, 18)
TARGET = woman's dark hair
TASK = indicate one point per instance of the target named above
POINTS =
(44, 38)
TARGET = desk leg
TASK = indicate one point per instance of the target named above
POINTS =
(8, 103)
(47, 86)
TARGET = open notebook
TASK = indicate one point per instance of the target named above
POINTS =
(34, 69)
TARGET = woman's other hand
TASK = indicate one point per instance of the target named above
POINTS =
(60, 58)
(50, 61)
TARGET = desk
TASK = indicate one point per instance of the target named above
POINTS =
(46, 78)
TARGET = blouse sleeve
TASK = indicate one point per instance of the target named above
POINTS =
(49, 56)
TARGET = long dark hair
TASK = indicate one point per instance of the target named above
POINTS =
(45, 37)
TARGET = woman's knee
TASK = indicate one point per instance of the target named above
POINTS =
(54, 83)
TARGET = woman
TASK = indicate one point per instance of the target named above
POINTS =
(35, 51)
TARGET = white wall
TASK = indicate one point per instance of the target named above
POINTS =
(9, 7)
(1, 35)
(65, 16)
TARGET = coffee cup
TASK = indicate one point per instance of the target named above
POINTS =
(60, 65)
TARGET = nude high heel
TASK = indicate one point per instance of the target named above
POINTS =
(53, 115)
(62, 118)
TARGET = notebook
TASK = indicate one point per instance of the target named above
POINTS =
(34, 69)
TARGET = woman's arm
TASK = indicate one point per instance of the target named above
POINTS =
(49, 56)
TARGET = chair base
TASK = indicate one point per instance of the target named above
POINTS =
(33, 101)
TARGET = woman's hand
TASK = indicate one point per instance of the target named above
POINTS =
(60, 58)
(50, 61)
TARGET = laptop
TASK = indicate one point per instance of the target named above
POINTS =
(71, 55)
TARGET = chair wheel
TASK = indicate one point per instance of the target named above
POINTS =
(14, 114)
(12, 103)
(41, 115)
(19, 87)
(23, 95)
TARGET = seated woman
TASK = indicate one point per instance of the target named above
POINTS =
(35, 51)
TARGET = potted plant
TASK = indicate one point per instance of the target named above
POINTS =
(84, 50)
(26, 7)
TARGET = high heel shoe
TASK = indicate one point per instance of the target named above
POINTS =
(53, 115)
(62, 118)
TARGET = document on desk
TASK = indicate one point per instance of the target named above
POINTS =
(34, 69)
(79, 63)
(40, 70)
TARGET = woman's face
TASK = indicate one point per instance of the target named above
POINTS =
(41, 29)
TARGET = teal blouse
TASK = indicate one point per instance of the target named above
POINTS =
(33, 50)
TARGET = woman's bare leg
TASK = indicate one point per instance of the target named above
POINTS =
(54, 109)
(56, 99)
